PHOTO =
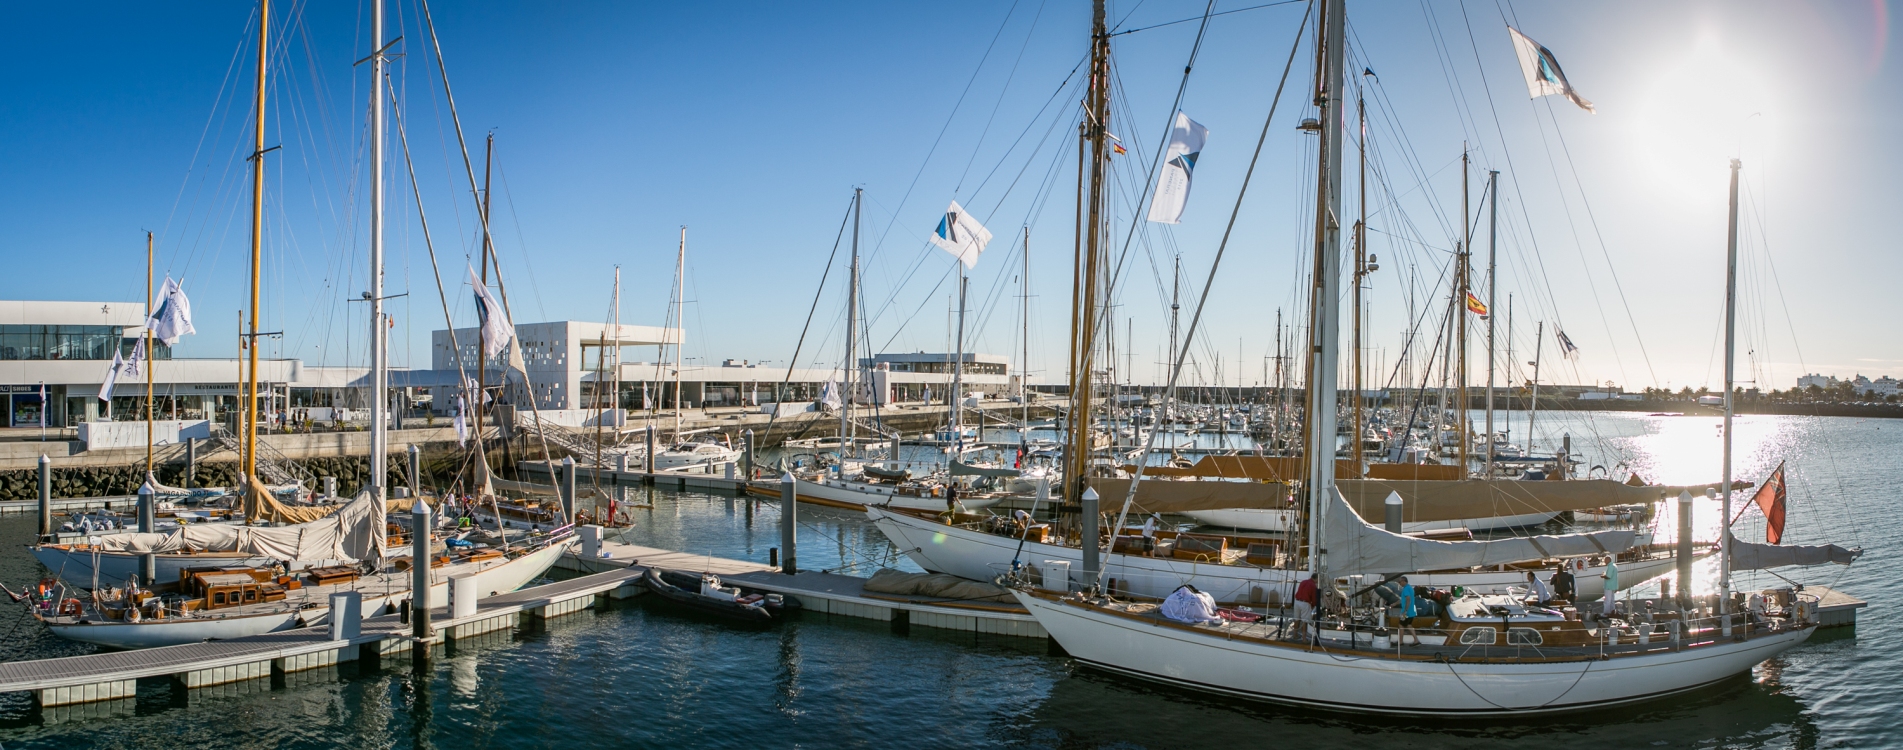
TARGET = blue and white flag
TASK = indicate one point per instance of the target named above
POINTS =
(1566, 347)
(1543, 76)
(173, 318)
(961, 235)
(1172, 183)
(42, 405)
(493, 322)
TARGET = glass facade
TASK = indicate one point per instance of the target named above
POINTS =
(70, 342)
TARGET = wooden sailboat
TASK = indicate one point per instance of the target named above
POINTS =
(1488, 655)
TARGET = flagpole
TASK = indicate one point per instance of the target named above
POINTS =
(148, 355)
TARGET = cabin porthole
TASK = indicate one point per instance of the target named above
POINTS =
(1480, 636)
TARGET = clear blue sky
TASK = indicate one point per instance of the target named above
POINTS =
(618, 123)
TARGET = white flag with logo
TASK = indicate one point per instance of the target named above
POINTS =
(174, 316)
(1172, 184)
(493, 320)
(1543, 76)
(112, 378)
(961, 235)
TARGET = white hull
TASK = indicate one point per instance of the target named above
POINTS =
(1257, 519)
(858, 495)
(381, 595)
(982, 556)
(1206, 659)
(171, 632)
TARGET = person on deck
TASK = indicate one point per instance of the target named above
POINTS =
(1536, 589)
(1149, 525)
(1611, 577)
(1563, 584)
(1306, 597)
(1409, 609)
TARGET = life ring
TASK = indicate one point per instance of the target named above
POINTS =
(69, 608)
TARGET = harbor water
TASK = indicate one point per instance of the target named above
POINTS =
(643, 674)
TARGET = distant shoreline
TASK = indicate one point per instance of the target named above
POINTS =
(1881, 411)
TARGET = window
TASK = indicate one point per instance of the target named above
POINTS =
(1524, 637)
(218, 598)
(1481, 636)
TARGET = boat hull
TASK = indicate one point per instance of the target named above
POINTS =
(1258, 519)
(171, 632)
(850, 495)
(981, 556)
(1207, 660)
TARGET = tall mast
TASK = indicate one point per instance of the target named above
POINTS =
(488, 246)
(1464, 286)
(379, 333)
(147, 365)
(1731, 340)
(1493, 238)
(852, 332)
(680, 323)
(1361, 271)
(1024, 341)
(1539, 342)
(249, 392)
(603, 408)
(1176, 291)
(1324, 320)
(1510, 366)
(958, 372)
(1092, 162)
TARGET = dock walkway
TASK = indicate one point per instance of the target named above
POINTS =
(820, 592)
(114, 675)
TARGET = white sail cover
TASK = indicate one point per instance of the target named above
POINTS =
(1355, 547)
(1752, 556)
(353, 533)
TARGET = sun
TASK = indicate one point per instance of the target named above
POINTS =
(1701, 107)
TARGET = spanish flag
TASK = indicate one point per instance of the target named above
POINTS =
(1118, 147)
(1475, 305)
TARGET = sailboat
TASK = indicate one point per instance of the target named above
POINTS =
(856, 484)
(1492, 655)
(234, 580)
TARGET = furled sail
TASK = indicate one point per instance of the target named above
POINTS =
(354, 532)
(1355, 547)
(1752, 556)
(1425, 500)
(962, 469)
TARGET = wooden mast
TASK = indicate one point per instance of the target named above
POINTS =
(1463, 287)
(249, 390)
(1361, 271)
(1083, 320)
(1493, 242)
(482, 351)
(680, 324)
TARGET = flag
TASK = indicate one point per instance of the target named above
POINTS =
(961, 235)
(462, 423)
(1566, 347)
(829, 395)
(1172, 185)
(173, 318)
(494, 327)
(1118, 147)
(1543, 76)
(112, 378)
(42, 405)
(1770, 499)
(1475, 305)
